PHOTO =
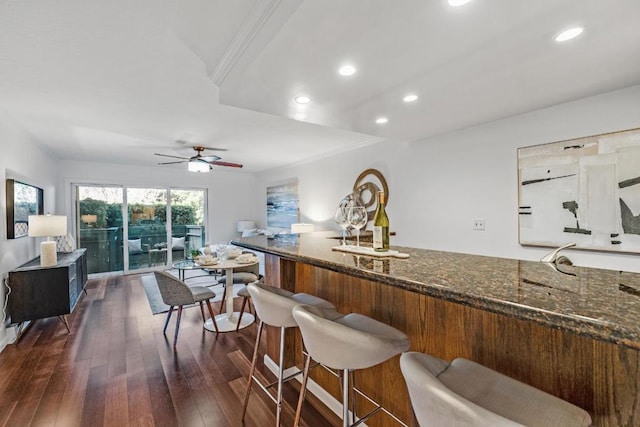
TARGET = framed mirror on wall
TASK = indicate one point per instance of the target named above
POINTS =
(22, 200)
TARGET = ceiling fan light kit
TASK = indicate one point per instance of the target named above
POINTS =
(200, 163)
(198, 166)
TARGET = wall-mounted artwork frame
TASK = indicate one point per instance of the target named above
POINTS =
(282, 206)
(22, 200)
(584, 191)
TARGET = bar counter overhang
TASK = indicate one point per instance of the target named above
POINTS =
(574, 333)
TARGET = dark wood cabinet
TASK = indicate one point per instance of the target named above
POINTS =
(38, 292)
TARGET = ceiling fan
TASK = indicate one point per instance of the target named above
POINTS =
(200, 163)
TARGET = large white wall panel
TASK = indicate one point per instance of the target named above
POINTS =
(441, 184)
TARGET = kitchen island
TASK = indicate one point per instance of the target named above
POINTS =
(574, 333)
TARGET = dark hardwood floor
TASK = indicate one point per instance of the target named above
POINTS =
(116, 368)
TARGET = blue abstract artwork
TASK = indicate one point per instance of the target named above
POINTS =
(282, 206)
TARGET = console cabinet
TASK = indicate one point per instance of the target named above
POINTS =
(38, 292)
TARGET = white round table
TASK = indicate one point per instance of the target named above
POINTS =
(228, 320)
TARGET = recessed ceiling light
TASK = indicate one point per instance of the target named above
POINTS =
(456, 3)
(382, 120)
(410, 98)
(569, 34)
(302, 99)
(347, 70)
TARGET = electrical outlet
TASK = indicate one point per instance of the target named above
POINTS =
(478, 224)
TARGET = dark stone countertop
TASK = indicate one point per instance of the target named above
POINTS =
(600, 304)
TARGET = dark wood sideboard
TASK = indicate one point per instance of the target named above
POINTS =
(39, 292)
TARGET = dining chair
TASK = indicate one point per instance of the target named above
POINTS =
(176, 293)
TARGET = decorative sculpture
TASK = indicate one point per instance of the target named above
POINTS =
(366, 188)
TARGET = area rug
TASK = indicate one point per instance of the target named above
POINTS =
(155, 299)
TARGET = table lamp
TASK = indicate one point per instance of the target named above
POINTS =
(47, 226)
(299, 228)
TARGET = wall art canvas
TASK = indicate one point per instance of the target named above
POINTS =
(282, 206)
(585, 191)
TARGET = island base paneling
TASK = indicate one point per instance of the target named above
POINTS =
(601, 377)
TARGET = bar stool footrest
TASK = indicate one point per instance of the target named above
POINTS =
(375, 410)
(265, 387)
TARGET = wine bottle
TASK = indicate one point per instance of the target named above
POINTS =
(380, 226)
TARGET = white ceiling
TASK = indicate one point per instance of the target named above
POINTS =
(115, 81)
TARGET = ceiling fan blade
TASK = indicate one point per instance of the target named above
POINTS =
(232, 165)
(214, 148)
(168, 155)
(172, 163)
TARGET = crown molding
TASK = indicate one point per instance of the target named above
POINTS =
(261, 12)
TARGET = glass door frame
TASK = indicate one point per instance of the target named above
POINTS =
(75, 202)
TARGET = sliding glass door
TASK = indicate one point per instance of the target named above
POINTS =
(187, 222)
(149, 240)
(99, 227)
(146, 227)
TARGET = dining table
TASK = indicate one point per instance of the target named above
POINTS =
(227, 321)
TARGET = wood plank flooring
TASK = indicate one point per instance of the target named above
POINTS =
(116, 368)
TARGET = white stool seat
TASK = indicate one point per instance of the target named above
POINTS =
(345, 342)
(464, 393)
(350, 341)
(274, 305)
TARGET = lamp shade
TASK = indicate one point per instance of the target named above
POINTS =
(300, 228)
(245, 224)
(47, 225)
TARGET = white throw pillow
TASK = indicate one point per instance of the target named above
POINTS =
(135, 246)
(177, 243)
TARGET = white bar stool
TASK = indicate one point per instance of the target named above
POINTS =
(464, 393)
(346, 343)
(274, 308)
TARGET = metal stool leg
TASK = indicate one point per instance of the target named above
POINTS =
(345, 398)
(354, 417)
(252, 370)
(303, 389)
(280, 377)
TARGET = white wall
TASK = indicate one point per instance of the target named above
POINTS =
(22, 159)
(439, 185)
(230, 194)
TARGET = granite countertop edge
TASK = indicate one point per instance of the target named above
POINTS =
(591, 328)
